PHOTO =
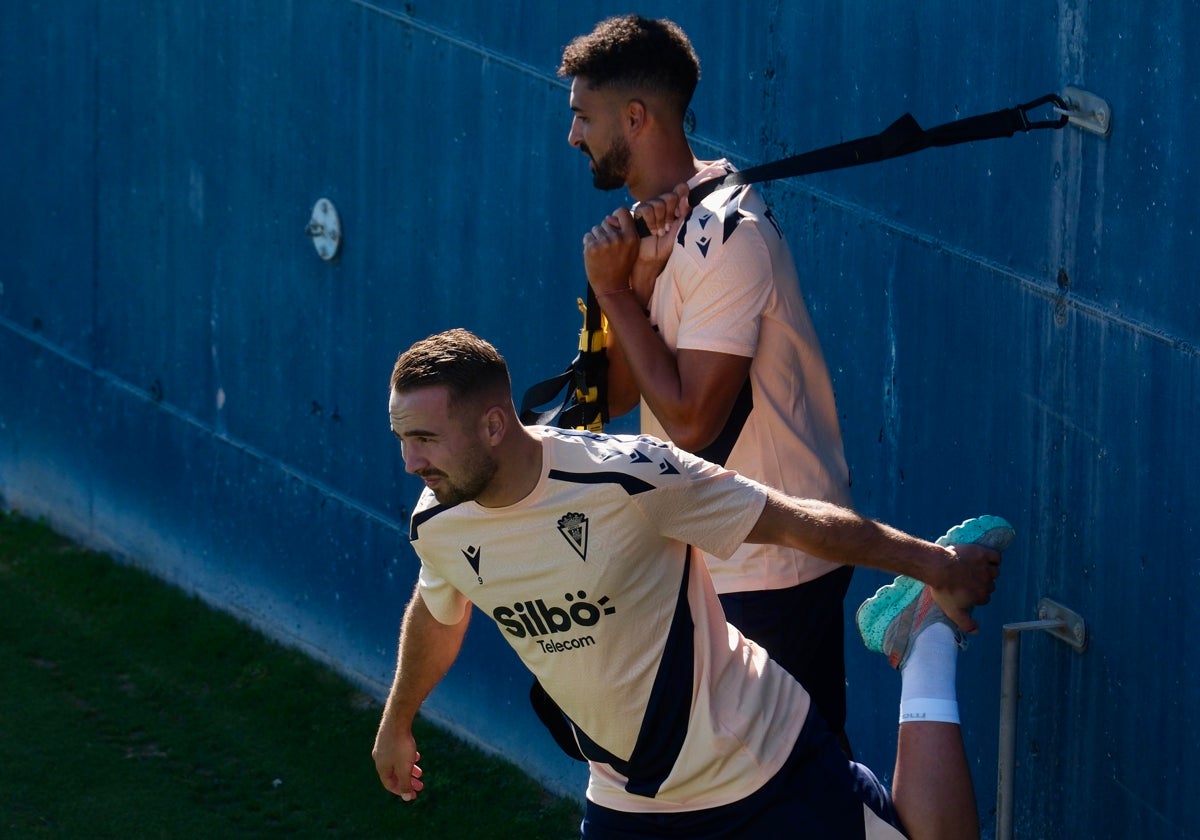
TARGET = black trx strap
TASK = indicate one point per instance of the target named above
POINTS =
(584, 405)
(903, 137)
(584, 402)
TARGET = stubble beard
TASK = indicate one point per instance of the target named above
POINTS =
(478, 475)
(611, 169)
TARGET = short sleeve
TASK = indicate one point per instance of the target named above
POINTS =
(706, 505)
(445, 603)
(725, 295)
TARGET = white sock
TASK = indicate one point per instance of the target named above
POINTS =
(927, 680)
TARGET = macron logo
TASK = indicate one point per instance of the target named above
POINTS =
(472, 555)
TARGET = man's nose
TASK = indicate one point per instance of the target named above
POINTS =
(575, 136)
(414, 461)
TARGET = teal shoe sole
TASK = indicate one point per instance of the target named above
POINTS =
(877, 613)
(989, 531)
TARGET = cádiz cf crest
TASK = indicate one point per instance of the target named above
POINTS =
(574, 528)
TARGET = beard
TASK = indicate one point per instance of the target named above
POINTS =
(610, 170)
(477, 473)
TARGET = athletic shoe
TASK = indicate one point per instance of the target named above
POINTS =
(896, 614)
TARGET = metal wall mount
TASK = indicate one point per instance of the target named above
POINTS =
(1087, 111)
(1067, 626)
(1064, 624)
(325, 229)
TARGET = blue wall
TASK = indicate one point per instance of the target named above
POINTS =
(1011, 326)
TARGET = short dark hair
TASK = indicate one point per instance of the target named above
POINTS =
(458, 359)
(636, 52)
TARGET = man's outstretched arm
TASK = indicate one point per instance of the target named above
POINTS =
(427, 650)
(959, 577)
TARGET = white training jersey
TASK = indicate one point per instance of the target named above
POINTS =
(589, 579)
(730, 286)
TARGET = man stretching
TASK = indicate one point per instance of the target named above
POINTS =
(578, 546)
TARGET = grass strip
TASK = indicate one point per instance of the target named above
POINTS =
(130, 709)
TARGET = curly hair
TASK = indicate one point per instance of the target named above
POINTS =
(634, 52)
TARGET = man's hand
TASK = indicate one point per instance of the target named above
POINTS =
(616, 258)
(396, 760)
(609, 251)
(663, 216)
(969, 580)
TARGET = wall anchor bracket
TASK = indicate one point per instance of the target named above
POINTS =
(1068, 626)
(325, 228)
(1087, 111)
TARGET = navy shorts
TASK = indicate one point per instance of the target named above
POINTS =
(818, 793)
(802, 628)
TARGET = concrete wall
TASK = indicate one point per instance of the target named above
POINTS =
(1011, 326)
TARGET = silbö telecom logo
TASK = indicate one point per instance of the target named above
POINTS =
(534, 619)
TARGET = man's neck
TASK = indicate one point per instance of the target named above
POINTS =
(520, 469)
(662, 170)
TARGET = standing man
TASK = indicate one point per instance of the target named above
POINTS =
(716, 339)
(579, 547)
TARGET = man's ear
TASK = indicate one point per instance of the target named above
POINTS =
(635, 116)
(495, 424)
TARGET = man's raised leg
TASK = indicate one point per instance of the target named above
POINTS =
(931, 787)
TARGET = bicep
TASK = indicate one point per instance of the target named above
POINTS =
(623, 394)
(424, 631)
(709, 384)
(771, 525)
(794, 523)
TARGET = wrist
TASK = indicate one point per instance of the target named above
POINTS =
(613, 293)
(617, 291)
(943, 574)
